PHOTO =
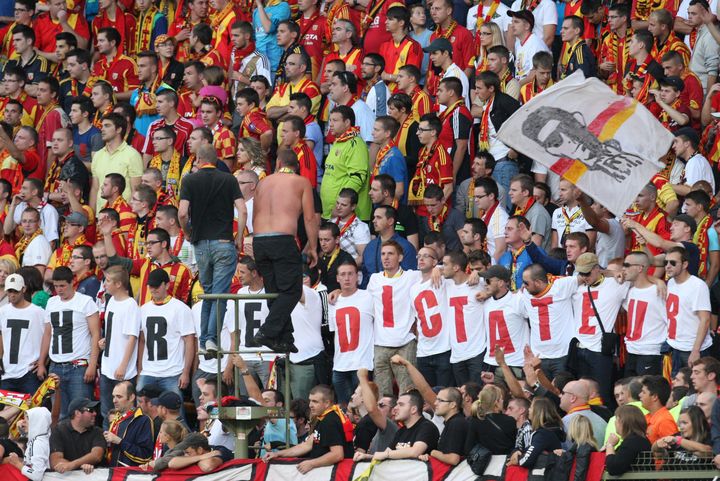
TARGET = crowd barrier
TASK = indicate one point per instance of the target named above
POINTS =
(286, 470)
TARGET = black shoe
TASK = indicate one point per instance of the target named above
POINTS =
(262, 340)
(284, 347)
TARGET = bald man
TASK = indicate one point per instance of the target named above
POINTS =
(574, 401)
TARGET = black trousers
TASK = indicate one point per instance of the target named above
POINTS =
(279, 262)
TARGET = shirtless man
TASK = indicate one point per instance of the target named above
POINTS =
(275, 214)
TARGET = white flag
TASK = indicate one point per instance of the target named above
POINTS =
(606, 144)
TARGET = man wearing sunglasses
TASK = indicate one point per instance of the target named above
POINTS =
(688, 311)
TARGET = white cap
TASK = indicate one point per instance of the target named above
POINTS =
(14, 282)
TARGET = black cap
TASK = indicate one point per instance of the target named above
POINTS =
(689, 133)
(439, 44)
(80, 404)
(497, 272)
(169, 400)
(674, 82)
(157, 277)
(526, 15)
(689, 221)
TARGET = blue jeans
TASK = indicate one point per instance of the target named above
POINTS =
(26, 384)
(680, 358)
(71, 384)
(344, 383)
(436, 369)
(552, 367)
(599, 367)
(216, 266)
(167, 383)
(505, 170)
(468, 370)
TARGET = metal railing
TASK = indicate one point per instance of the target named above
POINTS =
(675, 464)
(245, 415)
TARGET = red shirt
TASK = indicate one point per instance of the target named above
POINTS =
(124, 23)
(407, 52)
(462, 43)
(186, 109)
(254, 124)
(447, 136)
(182, 127)
(46, 29)
(308, 163)
(353, 63)
(121, 73)
(33, 167)
(313, 38)
(51, 122)
(376, 33)
(692, 95)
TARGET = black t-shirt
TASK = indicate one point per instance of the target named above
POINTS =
(72, 444)
(225, 454)
(329, 432)
(452, 439)
(423, 430)
(406, 224)
(483, 431)
(364, 433)
(693, 257)
(212, 195)
(10, 447)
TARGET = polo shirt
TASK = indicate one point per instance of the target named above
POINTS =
(73, 444)
(125, 161)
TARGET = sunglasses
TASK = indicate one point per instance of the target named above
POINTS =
(671, 262)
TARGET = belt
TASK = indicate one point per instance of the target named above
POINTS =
(76, 362)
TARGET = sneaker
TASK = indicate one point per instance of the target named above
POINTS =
(211, 348)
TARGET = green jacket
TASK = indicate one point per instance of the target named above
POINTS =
(347, 165)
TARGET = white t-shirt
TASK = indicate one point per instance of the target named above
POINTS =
(612, 245)
(364, 119)
(22, 333)
(551, 318)
(496, 147)
(646, 321)
(186, 253)
(70, 335)
(306, 321)
(683, 302)
(524, 52)
(253, 313)
(351, 318)
(545, 14)
(427, 302)
(37, 253)
(164, 327)
(465, 321)
(500, 17)
(608, 297)
(577, 222)
(454, 71)
(210, 365)
(358, 234)
(507, 328)
(49, 219)
(496, 229)
(393, 319)
(122, 320)
(698, 168)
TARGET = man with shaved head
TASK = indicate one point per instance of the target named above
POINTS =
(574, 401)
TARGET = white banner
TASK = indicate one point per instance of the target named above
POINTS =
(608, 145)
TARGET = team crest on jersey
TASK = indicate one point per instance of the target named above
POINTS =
(115, 76)
(30, 76)
(452, 39)
(315, 27)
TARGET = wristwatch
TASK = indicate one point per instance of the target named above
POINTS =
(245, 372)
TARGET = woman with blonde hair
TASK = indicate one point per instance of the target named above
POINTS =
(547, 434)
(7, 267)
(250, 156)
(171, 433)
(488, 425)
(582, 445)
(489, 36)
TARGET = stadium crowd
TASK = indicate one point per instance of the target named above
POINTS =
(458, 298)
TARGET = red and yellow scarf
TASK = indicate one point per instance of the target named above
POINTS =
(349, 134)
(173, 175)
(484, 134)
(700, 239)
(23, 243)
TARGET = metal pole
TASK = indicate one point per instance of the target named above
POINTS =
(236, 347)
(287, 400)
(219, 326)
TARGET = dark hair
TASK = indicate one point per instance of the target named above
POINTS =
(701, 198)
(170, 96)
(15, 71)
(203, 32)
(526, 183)
(111, 213)
(401, 101)
(622, 9)
(389, 124)
(478, 227)
(387, 183)
(118, 121)
(27, 32)
(459, 258)
(128, 111)
(112, 35)
(434, 191)
(646, 38)
(577, 22)
(632, 421)
(244, 27)
(288, 158)
(33, 281)
(300, 408)
(62, 274)
(416, 400)
(479, 256)
(377, 60)
(433, 122)
(350, 194)
(580, 237)
(346, 112)
(297, 124)
(162, 236)
(292, 26)
(249, 95)
(399, 13)
(105, 88)
(347, 78)
(330, 226)
(673, 56)
(85, 105)
(658, 386)
(117, 180)
(411, 70)
(684, 256)
(488, 185)
(712, 366)
(698, 421)
(501, 51)
(454, 84)
(206, 133)
(390, 212)
(82, 55)
(146, 194)
(68, 38)
(489, 79)
(302, 100)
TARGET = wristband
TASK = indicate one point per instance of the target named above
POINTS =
(678, 440)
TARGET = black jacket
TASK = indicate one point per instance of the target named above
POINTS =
(503, 107)
(581, 456)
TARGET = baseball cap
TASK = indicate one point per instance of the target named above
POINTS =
(77, 218)
(689, 221)
(585, 263)
(169, 400)
(157, 277)
(14, 282)
(498, 272)
(81, 403)
(526, 15)
(439, 44)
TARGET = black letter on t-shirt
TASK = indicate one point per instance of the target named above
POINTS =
(63, 331)
(251, 323)
(16, 327)
(156, 342)
(108, 332)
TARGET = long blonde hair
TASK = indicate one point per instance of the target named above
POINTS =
(497, 36)
(580, 432)
(487, 401)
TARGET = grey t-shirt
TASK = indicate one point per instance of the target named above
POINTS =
(540, 223)
(611, 245)
(383, 438)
